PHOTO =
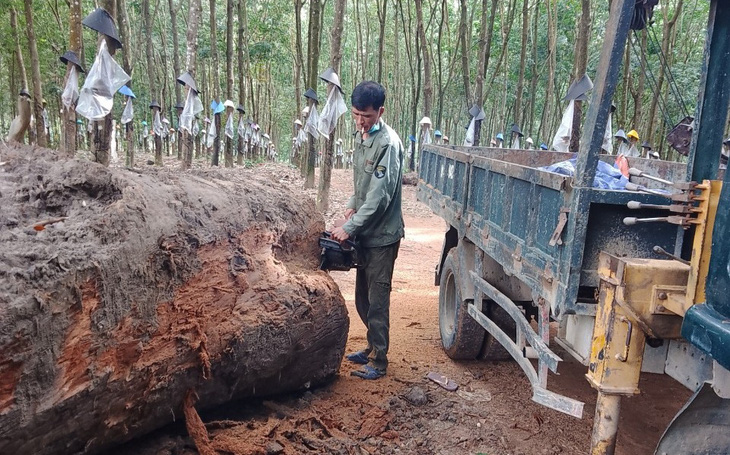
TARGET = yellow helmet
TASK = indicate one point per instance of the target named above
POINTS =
(633, 135)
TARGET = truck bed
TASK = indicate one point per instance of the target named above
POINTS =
(518, 214)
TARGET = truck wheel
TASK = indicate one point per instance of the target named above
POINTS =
(492, 349)
(461, 336)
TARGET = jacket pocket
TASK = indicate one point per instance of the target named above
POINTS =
(369, 167)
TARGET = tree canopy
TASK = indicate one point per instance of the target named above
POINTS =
(666, 54)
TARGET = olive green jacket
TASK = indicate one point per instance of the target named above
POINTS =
(378, 174)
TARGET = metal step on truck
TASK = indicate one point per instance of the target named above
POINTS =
(638, 279)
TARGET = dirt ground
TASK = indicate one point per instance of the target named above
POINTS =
(490, 413)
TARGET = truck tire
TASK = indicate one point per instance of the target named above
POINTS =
(491, 348)
(461, 336)
(702, 427)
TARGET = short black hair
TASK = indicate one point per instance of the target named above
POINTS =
(368, 94)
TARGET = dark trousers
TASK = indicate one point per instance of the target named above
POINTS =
(372, 300)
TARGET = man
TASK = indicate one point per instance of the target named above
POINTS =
(339, 154)
(646, 149)
(633, 137)
(375, 219)
(623, 143)
(500, 140)
(348, 158)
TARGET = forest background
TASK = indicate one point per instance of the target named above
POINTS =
(436, 58)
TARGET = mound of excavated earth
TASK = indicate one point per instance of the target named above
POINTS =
(124, 291)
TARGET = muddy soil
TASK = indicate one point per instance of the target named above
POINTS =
(490, 413)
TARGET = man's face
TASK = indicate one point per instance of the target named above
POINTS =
(365, 119)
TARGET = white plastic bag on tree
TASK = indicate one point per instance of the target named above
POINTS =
(425, 135)
(607, 145)
(128, 112)
(312, 122)
(71, 92)
(157, 124)
(113, 143)
(105, 78)
(301, 137)
(331, 112)
(212, 133)
(196, 128)
(248, 132)
(561, 141)
(193, 106)
(469, 139)
(241, 128)
(229, 127)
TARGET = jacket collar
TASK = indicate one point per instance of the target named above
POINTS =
(371, 137)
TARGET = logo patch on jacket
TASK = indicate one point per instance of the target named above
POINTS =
(379, 172)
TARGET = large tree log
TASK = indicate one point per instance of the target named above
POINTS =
(122, 291)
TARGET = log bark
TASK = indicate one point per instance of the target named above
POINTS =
(155, 284)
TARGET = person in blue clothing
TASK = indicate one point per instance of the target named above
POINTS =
(375, 220)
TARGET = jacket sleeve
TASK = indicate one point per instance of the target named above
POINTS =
(351, 204)
(380, 192)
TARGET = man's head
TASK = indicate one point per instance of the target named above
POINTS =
(367, 104)
(633, 136)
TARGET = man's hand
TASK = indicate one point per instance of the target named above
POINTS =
(349, 213)
(339, 234)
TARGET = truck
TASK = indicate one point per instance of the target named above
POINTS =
(636, 279)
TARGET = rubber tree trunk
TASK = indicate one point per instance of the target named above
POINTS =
(194, 11)
(40, 126)
(427, 84)
(177, 69)
(580, 65)
(315, 11)
(464, 50)
(667, 43)
(153, 91)
(229, 74)
(325, 170)
(102, 129)
(242, 69)
(523, 56)
(382, 16)
(69, 142)
(216, 141)
(485, 40)
(18, 49)
(638, 94)
(125, 35)
(551, 63)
